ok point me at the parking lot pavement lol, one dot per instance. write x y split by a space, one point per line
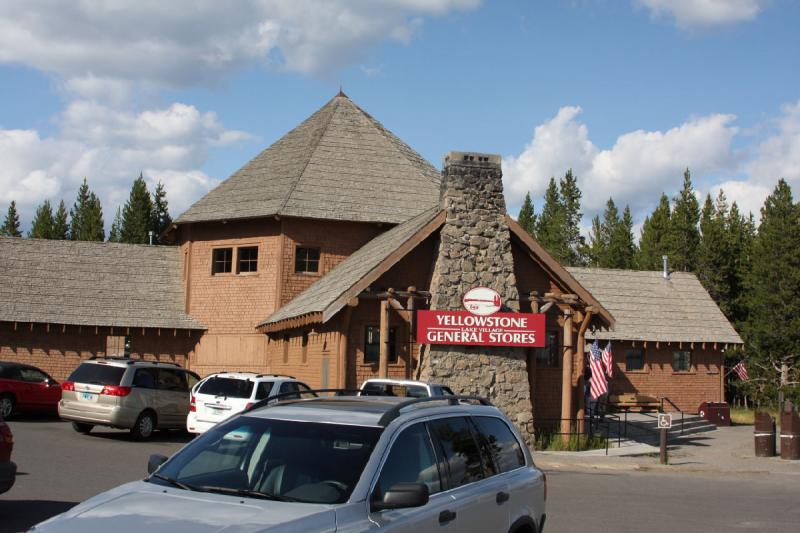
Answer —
59 467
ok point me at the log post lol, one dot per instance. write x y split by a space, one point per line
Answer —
412 329
566 379
383 365
581 350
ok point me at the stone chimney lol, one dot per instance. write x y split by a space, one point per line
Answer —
475 250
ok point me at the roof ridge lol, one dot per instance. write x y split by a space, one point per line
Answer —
317 137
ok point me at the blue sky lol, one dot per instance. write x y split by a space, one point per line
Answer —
628 93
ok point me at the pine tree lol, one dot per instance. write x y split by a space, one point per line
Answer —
741 235
595 251
653 240
87 216
116 228
684 236
10 226
161 219
60 223
527 218
571 202
772 331
137 215
42 227
621 245
714 260
551 224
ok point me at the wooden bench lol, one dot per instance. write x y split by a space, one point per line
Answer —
634 402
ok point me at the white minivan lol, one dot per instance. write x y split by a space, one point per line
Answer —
219 396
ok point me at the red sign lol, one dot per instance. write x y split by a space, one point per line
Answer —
464 328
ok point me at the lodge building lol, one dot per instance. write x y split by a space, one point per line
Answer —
312 259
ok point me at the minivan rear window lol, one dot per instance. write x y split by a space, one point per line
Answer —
97 374
228 387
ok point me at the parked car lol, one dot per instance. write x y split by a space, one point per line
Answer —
403 387
345 463
220 396
129 394
25 388
8 470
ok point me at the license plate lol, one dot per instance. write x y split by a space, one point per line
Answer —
87 396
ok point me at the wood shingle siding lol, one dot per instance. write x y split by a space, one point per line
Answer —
92 284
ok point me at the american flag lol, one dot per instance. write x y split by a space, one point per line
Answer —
608 360
599 384
741 371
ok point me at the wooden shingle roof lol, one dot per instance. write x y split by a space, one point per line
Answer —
329 294
339 164
648 307
92 284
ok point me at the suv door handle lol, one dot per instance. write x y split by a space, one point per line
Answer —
446 516
502 497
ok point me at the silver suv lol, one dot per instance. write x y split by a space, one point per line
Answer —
343 463
129 394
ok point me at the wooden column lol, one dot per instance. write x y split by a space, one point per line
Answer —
412 322
581 351
383 366
566 378
341 367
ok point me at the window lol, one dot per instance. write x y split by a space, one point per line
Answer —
682 361
145 378
306 259
222 261
171 380
32 375
230 387
501 448
97 374
548 356
264 388
247 259
372 344
460 450
634 359
411 460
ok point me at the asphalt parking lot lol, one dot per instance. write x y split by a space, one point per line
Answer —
59 468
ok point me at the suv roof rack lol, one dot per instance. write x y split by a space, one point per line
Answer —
129 361
275 376
394 412
294 394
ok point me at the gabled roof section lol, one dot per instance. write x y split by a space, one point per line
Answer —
339 164
557 271
650 308
92 284
329 294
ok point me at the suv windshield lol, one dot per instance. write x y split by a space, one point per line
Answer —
274 459
97 374
228 387
393 389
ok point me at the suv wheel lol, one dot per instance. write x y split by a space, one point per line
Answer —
144 426
6 405
82 428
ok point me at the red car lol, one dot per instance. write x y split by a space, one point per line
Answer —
8 470
26 388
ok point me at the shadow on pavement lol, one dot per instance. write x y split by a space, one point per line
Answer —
19 515
169 437
34 417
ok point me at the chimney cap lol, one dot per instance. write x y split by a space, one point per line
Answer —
471 158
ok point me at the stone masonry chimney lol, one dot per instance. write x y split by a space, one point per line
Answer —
475 250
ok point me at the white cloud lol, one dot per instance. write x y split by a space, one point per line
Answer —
748 195
96 45
110 147
778 156
639 165
689 14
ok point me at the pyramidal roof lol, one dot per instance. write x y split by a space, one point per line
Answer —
339 164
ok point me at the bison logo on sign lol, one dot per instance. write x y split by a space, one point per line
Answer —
482 301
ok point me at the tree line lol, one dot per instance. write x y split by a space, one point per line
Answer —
142 213
751 270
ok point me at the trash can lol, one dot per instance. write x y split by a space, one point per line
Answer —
718 413
790 432
764 434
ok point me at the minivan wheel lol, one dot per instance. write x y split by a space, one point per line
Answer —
144 426
6 405
80 427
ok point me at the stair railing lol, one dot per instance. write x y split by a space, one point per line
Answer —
665 399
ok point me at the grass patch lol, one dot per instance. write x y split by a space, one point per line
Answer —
576 443
745 417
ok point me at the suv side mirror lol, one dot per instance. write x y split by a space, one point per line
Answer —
403 495
155 461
